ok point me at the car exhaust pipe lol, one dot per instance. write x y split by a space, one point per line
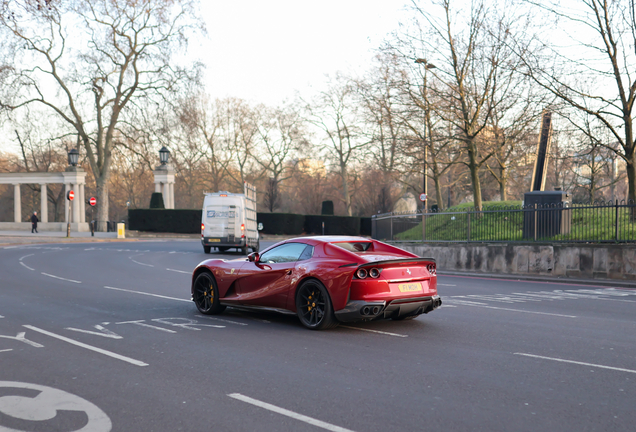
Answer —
365 310
376 310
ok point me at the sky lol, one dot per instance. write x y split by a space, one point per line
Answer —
266 51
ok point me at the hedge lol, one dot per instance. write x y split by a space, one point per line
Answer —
189 222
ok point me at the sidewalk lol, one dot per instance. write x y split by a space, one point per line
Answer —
8 238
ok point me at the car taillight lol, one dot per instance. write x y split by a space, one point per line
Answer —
432 269
202 227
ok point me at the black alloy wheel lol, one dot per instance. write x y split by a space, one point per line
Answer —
206 295
313 306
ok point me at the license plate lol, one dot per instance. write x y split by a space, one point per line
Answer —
214 240
410 287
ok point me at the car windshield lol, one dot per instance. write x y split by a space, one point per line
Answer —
355 246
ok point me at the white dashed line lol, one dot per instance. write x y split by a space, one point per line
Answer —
140 263
178 271
514 310
24 265
576 362
61 278
26 256
375 331
441 284
88 347
145 293
288 413
6 350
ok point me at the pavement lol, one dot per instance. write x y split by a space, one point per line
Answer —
104 337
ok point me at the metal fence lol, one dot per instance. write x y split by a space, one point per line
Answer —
597 222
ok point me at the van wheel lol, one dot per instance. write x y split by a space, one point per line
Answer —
207 249
244 250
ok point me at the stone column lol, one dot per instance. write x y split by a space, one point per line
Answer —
82 204
76 204
171 194
67 187
157 187
44 204
17 203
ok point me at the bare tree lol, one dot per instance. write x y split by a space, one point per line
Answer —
597 77
127 60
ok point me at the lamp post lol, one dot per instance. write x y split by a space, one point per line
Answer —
427 118
164 154
73 157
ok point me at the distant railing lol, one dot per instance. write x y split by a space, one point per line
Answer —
596 222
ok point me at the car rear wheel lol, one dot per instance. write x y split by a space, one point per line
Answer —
313 306
206 295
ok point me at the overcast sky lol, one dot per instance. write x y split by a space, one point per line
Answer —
264 51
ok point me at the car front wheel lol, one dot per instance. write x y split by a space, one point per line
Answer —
313 306
206 295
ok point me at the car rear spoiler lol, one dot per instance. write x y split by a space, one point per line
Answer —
404 261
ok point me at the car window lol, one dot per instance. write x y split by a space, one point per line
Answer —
307 253
289 252
355 246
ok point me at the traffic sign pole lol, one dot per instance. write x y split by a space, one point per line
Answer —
92 201
69 196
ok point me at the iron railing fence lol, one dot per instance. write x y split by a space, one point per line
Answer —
562 222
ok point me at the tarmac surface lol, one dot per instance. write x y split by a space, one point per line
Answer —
98 334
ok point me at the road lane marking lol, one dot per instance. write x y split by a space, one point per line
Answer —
288 413
10 349
143 324
188 324
140 263
441 284
514 310
103 332
26 256
219 319
576 362
88 347
145 293
61 278
24 265
375 331
178 271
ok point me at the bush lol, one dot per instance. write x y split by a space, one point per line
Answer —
334 225
165 220
281 223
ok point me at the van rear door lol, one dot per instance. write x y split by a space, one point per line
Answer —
220 221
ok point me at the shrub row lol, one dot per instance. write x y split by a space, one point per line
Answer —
189 221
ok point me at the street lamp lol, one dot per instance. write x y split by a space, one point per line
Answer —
73 157
164 154
427 66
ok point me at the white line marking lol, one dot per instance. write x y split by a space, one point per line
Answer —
24 265
61 278
516 310
447 305
441 284
140 263
26 256
219 319
288 413
375 331
145 293
88 347
179 271
143 324
576 362
10 349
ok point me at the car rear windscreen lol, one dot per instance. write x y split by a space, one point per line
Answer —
355 246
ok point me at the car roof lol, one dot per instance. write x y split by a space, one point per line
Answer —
332 239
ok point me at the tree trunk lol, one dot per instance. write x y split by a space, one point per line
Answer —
474 176
102 203
503 181
345 189
631 183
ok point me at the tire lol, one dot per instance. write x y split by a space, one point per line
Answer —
313 306
206 249
206 295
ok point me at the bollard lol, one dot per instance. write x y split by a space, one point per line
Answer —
121 231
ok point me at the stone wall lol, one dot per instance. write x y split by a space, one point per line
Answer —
592 261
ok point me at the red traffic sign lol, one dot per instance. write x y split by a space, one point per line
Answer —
92 201
70 195
423 197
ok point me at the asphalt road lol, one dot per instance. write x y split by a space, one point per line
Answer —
99 337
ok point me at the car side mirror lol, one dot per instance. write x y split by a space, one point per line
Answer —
253 257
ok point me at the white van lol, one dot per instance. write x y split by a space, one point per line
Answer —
228 221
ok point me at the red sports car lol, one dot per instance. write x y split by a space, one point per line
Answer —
324 280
